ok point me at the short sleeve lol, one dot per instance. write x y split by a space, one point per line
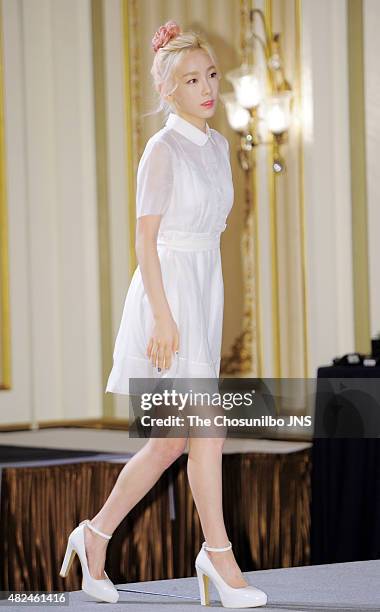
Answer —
154 179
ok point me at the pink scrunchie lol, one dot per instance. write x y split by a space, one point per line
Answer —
165 33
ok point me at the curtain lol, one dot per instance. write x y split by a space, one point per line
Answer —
266 501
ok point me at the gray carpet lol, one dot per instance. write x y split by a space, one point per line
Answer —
336 587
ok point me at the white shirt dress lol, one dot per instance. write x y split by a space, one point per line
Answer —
184 174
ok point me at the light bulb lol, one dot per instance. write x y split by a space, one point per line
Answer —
238 117
277 112
247 86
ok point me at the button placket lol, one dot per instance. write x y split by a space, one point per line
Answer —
214 164
212 167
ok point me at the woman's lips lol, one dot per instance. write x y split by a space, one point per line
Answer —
208 104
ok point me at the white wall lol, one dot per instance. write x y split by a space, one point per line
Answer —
52 210
327 180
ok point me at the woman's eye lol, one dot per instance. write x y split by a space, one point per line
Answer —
213 74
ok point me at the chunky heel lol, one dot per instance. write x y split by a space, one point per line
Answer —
230 597
101 589
68 559
203 587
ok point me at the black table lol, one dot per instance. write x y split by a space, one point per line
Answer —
345 477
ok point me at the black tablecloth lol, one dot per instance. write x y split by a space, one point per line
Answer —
345 506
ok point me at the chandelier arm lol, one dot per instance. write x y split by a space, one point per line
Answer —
283 79
262 43
265 45
268 36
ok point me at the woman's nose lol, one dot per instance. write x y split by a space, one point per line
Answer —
206 89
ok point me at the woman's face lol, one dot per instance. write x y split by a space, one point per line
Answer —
194 89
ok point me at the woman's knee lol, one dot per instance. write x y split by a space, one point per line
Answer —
167 450
209 445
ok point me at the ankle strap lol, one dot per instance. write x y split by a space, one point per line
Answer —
88 524
213 549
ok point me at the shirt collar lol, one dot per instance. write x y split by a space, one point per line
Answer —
187 129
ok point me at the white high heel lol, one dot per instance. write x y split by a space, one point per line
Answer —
231 597
102 589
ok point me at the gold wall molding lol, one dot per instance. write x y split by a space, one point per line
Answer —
291 309
272 191
99 80
358 175
301 185
132 113
5 323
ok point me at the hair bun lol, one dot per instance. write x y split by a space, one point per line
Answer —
165 33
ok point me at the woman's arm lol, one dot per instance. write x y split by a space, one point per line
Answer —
164 338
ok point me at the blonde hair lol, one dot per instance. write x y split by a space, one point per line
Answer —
166 60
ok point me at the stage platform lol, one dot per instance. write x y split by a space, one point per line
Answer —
336 587
116 441
59 476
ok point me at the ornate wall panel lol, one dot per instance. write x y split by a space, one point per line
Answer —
219 20
265 323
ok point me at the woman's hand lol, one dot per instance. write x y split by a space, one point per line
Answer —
163 342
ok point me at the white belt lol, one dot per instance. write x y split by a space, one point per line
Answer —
189 241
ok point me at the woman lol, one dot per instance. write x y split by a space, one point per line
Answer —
173 312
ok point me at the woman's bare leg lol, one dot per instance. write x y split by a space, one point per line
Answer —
204 469
135 479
